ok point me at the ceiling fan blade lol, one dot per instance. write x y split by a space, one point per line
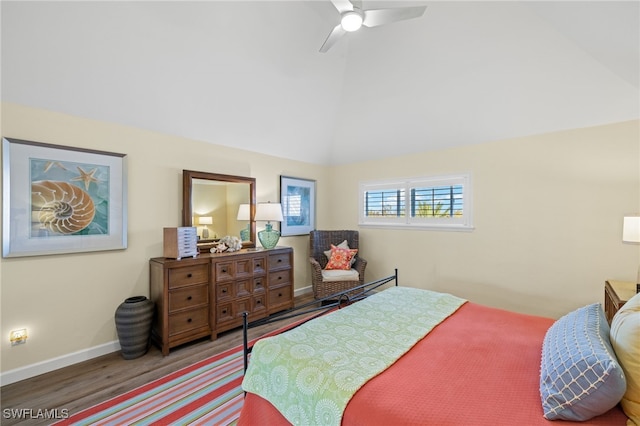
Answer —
343 5
375 17
333 37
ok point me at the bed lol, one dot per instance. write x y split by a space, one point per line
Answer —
476 365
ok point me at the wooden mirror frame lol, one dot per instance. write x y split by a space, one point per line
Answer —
187 211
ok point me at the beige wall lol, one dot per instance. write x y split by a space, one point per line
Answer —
547 212
67 301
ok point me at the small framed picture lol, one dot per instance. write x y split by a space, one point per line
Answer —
298 200
59 199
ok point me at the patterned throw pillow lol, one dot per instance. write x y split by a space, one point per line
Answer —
343 245
580 377
340 258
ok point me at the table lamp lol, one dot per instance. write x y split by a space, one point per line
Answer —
204 221
244 214
269 211
631 234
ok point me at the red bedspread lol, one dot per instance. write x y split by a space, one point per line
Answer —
479 367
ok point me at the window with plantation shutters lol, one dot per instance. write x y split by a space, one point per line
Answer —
439 202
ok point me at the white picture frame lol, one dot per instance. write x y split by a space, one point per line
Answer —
60 199
298 200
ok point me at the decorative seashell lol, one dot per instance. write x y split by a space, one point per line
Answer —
61 207
219 248
232 243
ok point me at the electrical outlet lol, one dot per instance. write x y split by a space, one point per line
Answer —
17 337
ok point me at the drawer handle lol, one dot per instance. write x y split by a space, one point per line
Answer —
224 312
189 275
189 320
257 265
224 290
224 271
189 298
279 260
257 302
279 277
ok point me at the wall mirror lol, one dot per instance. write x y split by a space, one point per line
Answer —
212 202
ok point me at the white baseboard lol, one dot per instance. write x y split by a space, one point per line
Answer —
302 291
33 370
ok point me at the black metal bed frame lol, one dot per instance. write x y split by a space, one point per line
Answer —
321 306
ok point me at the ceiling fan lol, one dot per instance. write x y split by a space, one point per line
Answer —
352 17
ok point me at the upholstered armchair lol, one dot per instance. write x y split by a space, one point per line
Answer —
326 283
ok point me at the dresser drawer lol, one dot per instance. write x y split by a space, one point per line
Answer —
258 306
224 291
255 306
224 313
259 285
278 278
279 261
243 268
224 271
188 275
188 320
259 265
187 297
280 297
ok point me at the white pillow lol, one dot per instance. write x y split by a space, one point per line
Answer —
340 275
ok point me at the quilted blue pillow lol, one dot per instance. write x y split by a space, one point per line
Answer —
580 377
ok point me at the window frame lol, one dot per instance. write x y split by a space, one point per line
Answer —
464 223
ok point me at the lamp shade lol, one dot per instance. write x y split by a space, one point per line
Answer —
269 211
205 220
243 212
631 229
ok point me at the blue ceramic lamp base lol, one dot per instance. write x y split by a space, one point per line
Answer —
269 237
244 234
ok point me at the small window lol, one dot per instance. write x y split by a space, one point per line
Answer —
442 202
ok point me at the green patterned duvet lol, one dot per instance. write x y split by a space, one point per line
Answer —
311 372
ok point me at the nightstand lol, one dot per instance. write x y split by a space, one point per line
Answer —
616 294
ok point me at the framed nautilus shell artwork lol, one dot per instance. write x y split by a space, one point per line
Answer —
59 199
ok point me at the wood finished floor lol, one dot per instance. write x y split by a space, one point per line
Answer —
83 385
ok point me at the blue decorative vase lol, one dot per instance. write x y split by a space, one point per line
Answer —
133 324
269 237
244 234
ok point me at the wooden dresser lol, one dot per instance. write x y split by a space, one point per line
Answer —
206 295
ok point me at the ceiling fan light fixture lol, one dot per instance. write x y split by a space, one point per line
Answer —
351 21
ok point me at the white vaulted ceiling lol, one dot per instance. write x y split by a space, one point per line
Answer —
248 74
